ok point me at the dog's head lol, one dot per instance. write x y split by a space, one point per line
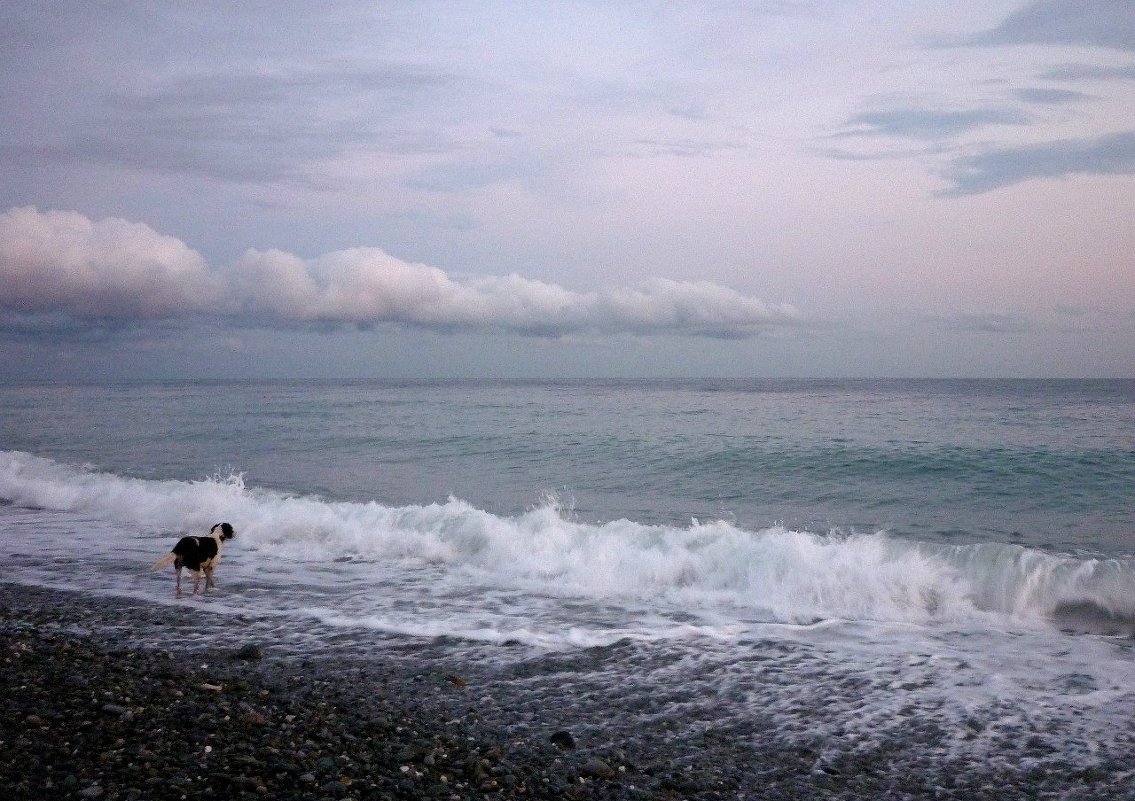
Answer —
227 532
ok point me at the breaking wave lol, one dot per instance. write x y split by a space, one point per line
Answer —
770 575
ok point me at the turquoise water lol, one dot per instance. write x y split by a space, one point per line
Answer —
1049 464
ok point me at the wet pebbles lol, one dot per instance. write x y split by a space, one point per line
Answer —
86 714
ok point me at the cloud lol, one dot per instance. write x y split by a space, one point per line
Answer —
1090 72
60 266
367 286
1092 23
683 148
458 176
60 261
248 127
1112 154
921 123
1050 96
985 323
926 130
1076 312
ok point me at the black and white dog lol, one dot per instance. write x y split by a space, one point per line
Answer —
199 554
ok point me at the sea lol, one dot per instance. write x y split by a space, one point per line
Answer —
952 555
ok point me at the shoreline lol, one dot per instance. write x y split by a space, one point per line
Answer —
84 713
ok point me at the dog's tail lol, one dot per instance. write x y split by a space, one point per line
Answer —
165 561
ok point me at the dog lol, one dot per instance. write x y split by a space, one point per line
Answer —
199 554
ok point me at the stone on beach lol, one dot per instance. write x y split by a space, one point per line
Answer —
84 713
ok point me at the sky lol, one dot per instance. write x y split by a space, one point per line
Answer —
578 189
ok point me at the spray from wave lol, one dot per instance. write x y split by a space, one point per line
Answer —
770 575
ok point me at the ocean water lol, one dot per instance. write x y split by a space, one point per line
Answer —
953 554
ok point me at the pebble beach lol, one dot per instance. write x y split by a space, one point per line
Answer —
86 714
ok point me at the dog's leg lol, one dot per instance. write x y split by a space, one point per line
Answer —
177 582
196 581
209 582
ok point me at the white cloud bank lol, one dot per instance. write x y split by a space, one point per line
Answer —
60 262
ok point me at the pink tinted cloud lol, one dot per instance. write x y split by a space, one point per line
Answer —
61 262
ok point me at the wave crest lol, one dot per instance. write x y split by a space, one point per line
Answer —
774 575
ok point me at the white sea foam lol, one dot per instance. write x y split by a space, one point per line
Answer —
713 569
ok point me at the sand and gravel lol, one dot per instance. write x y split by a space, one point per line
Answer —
89 712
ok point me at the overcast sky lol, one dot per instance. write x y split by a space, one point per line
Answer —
417 189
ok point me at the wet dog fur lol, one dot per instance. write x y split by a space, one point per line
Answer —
199 555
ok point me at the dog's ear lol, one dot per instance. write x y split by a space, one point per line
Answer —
227 531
